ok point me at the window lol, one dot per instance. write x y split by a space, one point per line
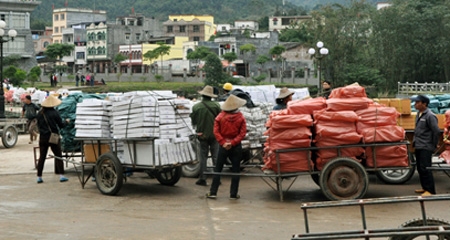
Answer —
18 21
61 16
224 28
196 39
182 29
80 55
56 17
45 44
138 36
101 36
56 30
3 17
127 36
91 37
196 28
169 29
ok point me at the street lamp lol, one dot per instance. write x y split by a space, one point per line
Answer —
319 55
3 39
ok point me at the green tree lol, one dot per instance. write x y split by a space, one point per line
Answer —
15 75
34 74
262 59
118 58
277 51
263 23
199 53
213 69
58 50
246 50
160 51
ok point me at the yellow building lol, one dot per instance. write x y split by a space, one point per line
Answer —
176 50
195 27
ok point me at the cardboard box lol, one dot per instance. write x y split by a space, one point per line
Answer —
403 105
408 122
91 151
384 101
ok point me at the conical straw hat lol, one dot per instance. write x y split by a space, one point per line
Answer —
284 92
51 101
208 91
233 103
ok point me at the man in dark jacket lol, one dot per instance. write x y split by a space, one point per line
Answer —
202 116
29 110
426 137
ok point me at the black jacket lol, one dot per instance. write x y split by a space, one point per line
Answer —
54 122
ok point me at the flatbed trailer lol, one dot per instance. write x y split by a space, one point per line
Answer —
109 172
341 178
10 128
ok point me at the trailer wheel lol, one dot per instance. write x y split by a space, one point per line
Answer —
398 176
9 136
191 170
168 176
343 178
418 223
109 174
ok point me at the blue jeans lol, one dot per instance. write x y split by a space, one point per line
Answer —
205 147
235 156
423 160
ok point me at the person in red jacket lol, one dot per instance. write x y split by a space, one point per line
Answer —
229 129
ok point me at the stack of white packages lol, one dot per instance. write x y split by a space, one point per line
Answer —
256 119
183 108
155 114
93 118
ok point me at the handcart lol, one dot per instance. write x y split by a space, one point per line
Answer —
10 129
100 160
418 228
340 178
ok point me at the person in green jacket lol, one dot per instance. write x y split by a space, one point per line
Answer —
202 116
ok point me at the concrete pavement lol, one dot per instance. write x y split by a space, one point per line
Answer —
144 209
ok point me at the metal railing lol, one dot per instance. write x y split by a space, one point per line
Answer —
423 88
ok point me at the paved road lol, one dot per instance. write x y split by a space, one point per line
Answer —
144 209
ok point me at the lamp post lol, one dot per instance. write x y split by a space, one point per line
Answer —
3 39
322 52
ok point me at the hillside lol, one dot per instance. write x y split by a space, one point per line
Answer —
223 11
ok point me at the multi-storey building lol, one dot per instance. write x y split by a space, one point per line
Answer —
278 23
41 39
16 15
66 17
195 27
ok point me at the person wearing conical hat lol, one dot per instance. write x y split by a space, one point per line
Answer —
283 98
229 128
202 116
49 121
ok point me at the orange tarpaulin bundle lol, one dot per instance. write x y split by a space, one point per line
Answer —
289 162
381 121
390 133
320 162
345 116
388 156
291 121
286 144
446 154
282 112
375 111
350 104
289 134
334 129
307 106
350 91
345 152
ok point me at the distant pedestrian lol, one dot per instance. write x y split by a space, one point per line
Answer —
92 81
51 80
88 79
229 129
82 80
77 79
29 110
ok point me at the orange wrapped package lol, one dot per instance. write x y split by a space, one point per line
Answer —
345 116
289 134
350 91
334 129
388 156
291 121
320 162
375 111
286 144
307 106
289 162
390 133
349 104
9 95
356 152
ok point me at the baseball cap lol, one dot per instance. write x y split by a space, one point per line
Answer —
421 98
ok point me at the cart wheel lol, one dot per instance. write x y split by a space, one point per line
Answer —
398 176
191 170
419 222
168 176
9 136
109 174
343 178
